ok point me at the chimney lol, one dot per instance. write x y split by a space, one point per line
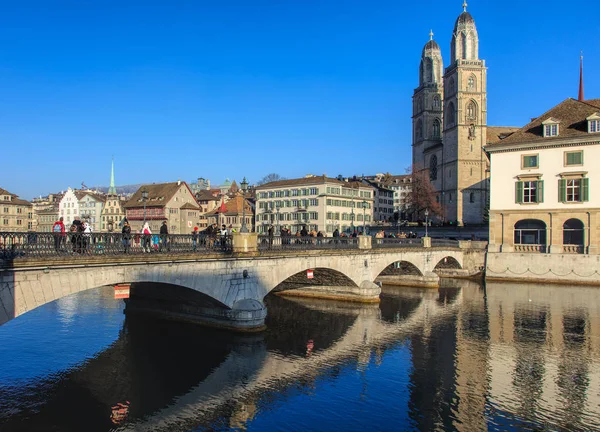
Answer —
178 182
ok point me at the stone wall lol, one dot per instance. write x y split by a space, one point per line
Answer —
557 268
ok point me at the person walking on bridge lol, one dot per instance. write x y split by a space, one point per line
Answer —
164 237
59 234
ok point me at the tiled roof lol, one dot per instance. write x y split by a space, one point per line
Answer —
595 102
48 210
233 207
572 116
15 200
206 195
495 134
306 181
189 206
158 195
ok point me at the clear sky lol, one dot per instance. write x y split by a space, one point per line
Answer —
216 89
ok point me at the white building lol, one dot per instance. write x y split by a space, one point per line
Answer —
317 202
543 183
86 205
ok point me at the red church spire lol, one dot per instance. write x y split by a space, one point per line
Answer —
580 97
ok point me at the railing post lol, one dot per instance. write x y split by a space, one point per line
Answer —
245 242
364 242
427 242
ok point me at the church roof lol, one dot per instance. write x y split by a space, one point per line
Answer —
463 19
570 113
431 45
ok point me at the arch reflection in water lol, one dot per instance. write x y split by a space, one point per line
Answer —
461 357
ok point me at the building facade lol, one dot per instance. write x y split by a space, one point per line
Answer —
208 201
232 213
543 179
45 218
173 202
383 200
450 124
17 214
316 202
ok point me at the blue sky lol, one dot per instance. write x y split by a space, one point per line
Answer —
186 89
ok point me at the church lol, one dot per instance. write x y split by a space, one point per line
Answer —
450 124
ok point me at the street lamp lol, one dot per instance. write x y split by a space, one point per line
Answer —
278 208
426 223
244 185
144 198
364 205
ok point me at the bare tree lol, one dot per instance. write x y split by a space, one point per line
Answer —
269 178
422 195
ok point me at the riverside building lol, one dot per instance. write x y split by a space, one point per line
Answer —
318 203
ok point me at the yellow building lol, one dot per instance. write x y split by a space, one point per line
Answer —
17 214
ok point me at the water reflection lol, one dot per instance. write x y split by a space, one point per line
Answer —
463 357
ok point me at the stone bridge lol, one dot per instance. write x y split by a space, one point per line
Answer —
218 290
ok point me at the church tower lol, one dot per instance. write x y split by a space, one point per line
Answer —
464 193
427 112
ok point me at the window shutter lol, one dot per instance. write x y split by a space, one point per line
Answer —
519 192
585 189
562 190
540 191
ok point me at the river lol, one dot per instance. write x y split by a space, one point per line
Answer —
464 357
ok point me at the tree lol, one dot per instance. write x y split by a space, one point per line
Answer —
422 195
269 178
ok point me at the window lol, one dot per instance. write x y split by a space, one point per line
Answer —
573 232
471 83
529 191
472 197
530 232
471 111
594 126
436 128
433 168
529 161
573 190
574 158
436 102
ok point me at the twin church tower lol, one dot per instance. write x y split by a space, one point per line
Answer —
450 123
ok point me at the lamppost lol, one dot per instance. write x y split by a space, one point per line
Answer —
364 206
352 218
278 208
144 198
426 223
244 185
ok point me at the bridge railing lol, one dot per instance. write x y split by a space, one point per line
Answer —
388 242
266 242
440 242
33 244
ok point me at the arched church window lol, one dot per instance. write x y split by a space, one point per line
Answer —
471 111
451 115
436 128
471 83
419 129
436 102
428 71
472 197
433 168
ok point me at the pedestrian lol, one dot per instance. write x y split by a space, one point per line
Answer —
147 237
59 233
194 239
76 231
126 232
87 237
164 234
303 231
223 236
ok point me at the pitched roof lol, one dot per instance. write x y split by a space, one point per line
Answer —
232 207
14 200
207 195
158 194
572 116
189 206
595 102
495 134
306 181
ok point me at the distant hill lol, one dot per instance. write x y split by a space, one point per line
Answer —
122 190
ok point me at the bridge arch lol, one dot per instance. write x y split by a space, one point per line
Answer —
448 262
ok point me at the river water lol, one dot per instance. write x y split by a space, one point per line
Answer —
463 357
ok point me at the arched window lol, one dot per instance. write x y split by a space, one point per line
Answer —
530 232
472 197
471 83
419 129
451 115
436 102
433 168
573 232
428 71
471 111
436 128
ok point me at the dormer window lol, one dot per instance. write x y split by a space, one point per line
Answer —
594 123
550 127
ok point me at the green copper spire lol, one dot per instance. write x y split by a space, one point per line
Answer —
111 189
